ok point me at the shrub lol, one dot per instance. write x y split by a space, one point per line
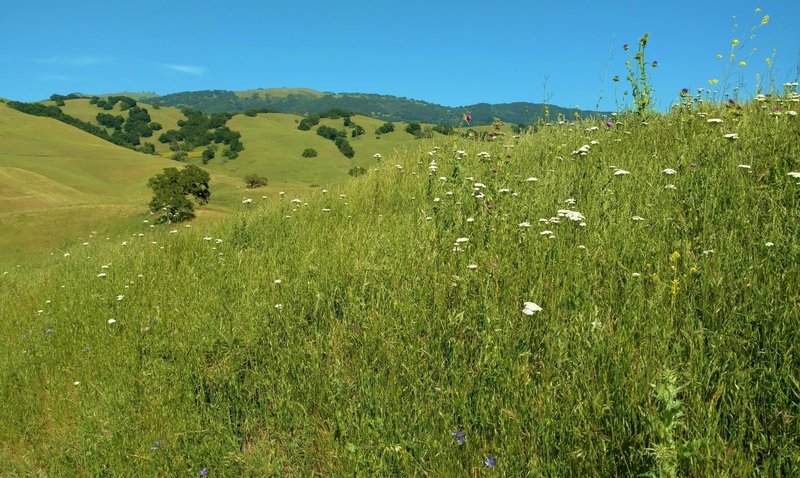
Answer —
344 147
255 181
386 128
414 129
309 153
357 171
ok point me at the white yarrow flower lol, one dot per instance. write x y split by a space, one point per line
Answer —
731 136
529 308
669 171
794 174
621 172
111 321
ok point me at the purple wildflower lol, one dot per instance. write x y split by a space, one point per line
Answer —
655 63
204 471
459 435
609 124
490 461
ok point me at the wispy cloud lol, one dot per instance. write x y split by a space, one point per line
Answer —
83 60
49 77
188 69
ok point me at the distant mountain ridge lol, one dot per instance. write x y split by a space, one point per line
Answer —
386 107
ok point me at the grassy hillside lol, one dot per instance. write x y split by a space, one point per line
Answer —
60 184
167 116
86 183
387 107
273 148
630 311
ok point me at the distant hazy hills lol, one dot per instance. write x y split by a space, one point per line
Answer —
388 108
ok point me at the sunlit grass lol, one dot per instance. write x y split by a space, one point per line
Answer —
372 327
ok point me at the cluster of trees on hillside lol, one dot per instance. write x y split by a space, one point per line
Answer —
312 120
385 128
128 139
60 99
385 107
129 130
199 129
339 138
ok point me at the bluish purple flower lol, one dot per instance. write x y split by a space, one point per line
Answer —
156 445
204 471
48 331
490 461
459 435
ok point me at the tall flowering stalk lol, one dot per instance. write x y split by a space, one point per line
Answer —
637 76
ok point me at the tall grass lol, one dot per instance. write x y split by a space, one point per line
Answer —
353 333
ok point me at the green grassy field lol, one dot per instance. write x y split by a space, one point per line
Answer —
537 312
59 183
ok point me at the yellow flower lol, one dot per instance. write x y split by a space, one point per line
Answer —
769 61
675 256
743 63
713 81
765 20
735 42
719 56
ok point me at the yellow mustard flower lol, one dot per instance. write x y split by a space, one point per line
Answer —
719 56
735 42
742 63
713 81
765 20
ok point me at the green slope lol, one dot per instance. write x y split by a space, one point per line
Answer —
59 183
388 327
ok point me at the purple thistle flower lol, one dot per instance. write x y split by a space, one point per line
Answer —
459 435
609 124
490 461
685 91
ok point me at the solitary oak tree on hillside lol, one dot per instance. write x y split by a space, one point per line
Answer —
170 191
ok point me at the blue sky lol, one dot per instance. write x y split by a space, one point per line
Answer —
448 52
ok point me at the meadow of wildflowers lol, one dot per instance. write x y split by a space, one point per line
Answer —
614 297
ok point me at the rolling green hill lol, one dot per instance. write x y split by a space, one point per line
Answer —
60 183
581 300
386 107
